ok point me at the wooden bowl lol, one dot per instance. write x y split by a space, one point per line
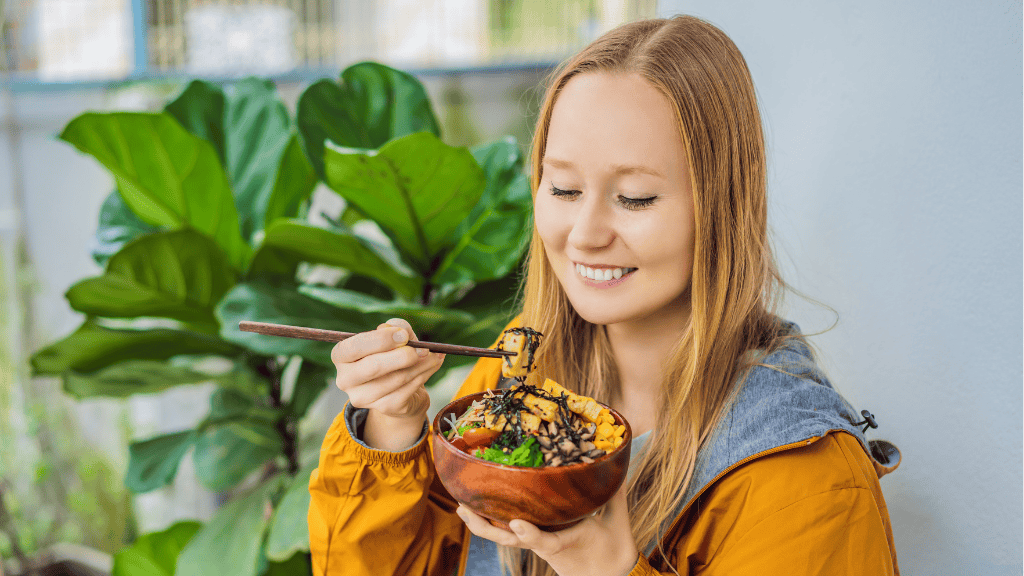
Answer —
551 498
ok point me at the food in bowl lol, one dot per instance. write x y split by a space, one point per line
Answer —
535 427
549 497
524 342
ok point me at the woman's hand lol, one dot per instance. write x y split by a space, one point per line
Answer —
379 372
599 545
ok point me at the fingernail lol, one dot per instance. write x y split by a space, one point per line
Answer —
422 352
441 356
400 336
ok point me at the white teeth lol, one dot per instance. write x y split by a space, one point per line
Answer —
602 274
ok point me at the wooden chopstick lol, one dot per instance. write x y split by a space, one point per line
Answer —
320 335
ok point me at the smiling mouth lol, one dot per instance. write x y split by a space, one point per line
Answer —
602 274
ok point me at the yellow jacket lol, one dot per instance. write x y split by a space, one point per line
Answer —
812 507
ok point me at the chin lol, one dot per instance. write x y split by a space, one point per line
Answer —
605 313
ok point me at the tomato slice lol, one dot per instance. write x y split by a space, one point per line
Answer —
480 436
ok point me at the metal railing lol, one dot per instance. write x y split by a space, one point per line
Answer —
107 40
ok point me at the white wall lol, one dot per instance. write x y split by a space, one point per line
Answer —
894 134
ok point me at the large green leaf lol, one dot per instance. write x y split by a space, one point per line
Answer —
154 462
237 438
289 529
230 543
427 321
265 302
134 377
251 130
371 105
417 189
118 226
155 554
289 241
310 383
293 185
93 347
179 274
491 240
167 176
298 565
257 131
200 109
226 454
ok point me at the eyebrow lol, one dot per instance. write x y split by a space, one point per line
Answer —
624 169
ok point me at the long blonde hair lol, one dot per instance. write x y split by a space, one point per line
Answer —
735 284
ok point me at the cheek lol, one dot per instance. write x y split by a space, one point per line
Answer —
549 222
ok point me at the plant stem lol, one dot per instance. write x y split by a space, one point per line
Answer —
7 527
285 425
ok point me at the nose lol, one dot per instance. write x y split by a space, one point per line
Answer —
592 227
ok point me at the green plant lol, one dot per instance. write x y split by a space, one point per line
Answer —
209 225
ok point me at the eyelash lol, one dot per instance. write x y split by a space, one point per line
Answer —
627 202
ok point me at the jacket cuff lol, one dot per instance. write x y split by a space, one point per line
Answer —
354 418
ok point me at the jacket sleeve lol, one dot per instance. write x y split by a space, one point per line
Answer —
812 510
377 513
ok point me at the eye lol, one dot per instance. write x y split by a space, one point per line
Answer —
636 203
567 194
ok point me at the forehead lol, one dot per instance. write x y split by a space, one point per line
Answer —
606 118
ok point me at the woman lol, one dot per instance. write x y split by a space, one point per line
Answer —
651 276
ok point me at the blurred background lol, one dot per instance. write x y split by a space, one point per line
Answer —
896 196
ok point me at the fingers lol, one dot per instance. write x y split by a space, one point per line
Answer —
394 391
365 344
523 534
481 527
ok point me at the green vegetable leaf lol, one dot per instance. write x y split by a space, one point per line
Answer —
491 240
167 176
154 462
289 529
93 347
290 241
371 105
179 274
118 226
230 543
417 189
527 454
155 554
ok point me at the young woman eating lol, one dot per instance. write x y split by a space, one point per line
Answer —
652 278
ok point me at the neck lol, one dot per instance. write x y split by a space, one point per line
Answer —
641 349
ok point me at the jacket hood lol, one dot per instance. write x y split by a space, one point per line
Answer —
785 399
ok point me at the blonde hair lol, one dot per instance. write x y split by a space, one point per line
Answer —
735 284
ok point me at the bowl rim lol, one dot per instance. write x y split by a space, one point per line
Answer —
436 432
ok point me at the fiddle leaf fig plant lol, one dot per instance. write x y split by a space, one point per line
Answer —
211 224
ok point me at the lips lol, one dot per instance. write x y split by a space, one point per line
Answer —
603 273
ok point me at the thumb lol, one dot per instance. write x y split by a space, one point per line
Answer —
401 323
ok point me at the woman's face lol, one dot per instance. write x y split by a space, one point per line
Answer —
614 207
